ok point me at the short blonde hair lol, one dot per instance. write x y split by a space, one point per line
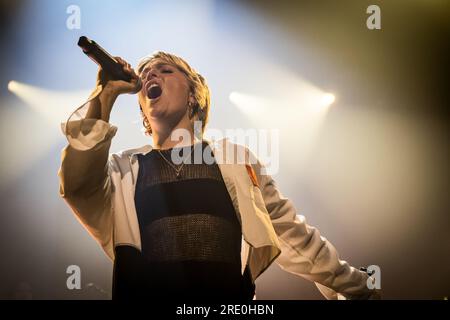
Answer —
197 85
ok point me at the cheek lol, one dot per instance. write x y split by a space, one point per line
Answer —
178 92
141 99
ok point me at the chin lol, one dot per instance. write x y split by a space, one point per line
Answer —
156 112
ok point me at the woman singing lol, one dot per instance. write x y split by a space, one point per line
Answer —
178 228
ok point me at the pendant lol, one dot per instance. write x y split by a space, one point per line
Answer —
178 176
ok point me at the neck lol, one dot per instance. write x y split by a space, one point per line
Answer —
165 135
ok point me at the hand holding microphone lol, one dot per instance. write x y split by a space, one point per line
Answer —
120 86
115 74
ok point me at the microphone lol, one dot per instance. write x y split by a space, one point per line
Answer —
101 57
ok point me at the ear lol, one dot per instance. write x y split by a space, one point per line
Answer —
191 99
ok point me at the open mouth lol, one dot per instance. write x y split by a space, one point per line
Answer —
154 92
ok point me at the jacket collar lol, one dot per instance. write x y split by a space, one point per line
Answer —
142 150
147 148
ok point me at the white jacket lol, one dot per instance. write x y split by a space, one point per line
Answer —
100 190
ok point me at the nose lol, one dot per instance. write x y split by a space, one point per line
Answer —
151 74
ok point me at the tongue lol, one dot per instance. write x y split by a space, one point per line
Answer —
154 92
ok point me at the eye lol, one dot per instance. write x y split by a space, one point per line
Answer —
167 71
144 73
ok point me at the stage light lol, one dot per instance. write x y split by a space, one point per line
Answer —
297 110
248 104
12 86
55 106
36 128
327 99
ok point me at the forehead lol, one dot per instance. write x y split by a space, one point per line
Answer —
157 63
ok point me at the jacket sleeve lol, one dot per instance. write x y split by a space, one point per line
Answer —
305 252
84 176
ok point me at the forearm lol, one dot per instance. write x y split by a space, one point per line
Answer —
86 186
84 171
100 107
304 251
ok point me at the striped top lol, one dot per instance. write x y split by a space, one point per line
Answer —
190 232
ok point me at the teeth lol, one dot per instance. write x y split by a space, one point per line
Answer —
154 85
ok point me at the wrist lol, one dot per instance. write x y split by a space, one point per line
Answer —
107 99
109 93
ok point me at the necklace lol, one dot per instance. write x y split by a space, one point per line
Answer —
177 169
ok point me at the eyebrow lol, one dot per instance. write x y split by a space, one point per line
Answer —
158 66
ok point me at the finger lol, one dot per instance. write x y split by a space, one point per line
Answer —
134 74
126 67
132 87
131 71
128 70
121 61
